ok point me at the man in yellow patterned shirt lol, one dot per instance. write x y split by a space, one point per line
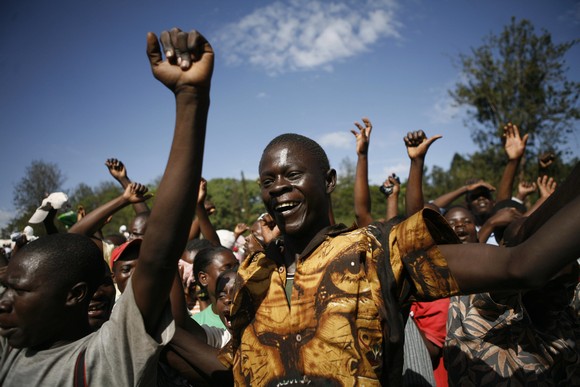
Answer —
325 305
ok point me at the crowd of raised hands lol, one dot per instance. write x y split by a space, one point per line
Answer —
170 263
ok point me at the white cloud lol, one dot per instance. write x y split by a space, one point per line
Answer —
304 35
340 140
261 95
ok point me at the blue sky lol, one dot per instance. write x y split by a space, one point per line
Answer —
76 88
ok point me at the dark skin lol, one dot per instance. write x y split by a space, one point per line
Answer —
38 316
417 145
102 301
65 319
362 195
187 73
296 195
94 220
118 170
471 264
514 146
462 222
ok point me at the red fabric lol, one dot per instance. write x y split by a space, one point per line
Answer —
431 319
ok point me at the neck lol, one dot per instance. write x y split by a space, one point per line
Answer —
70 332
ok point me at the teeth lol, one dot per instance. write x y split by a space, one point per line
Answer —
283 206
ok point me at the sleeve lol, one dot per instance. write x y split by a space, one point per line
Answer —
417 262
122 352
214 336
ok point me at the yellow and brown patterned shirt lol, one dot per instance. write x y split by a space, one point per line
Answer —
344 324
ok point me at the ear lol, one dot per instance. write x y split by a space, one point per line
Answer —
202 278
113 273
77 294
330 180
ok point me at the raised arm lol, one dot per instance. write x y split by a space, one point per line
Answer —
525 188
362 195
445 200
392 187
417 146
515 145
119 172
550 242
186 71
207 229
546 186
93 221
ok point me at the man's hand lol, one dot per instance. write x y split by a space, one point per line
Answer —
526 188
363 136
514 144
547 186
505 216
240 229
190 51
417 143
270 230
116 169
546 159
136 193
202 193
471 185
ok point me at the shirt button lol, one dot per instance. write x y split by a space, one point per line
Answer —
281 269
298 338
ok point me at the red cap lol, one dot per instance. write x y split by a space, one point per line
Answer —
118 251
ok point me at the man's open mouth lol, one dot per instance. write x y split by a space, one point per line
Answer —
285 207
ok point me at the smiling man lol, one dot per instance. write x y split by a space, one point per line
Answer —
324 304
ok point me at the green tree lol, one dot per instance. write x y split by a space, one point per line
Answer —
519 76
41 179
236 201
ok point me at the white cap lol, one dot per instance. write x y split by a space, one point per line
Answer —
55 200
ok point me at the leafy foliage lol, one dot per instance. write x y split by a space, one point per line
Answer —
519 76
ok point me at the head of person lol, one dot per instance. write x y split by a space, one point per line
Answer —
193 247
123 262
224 291
480 202
103 299
462 221
209 263
138 225
49 284
296 182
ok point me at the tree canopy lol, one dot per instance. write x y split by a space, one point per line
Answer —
519 76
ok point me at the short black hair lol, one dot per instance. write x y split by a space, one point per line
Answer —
304 142
68 259
197 244
204 258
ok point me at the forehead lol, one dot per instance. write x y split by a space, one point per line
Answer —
25 269
224 256
459 212
226 281
285 155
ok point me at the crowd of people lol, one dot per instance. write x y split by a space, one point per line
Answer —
481 293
